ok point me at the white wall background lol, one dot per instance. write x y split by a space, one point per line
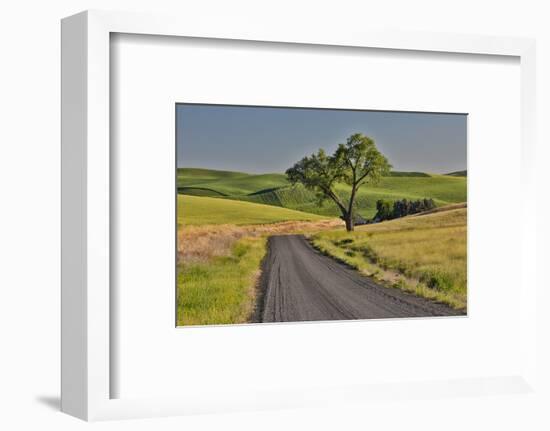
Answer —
29 210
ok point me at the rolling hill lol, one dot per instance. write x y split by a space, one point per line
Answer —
274 189
458 174
195 210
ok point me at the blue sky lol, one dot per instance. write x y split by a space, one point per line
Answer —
267 139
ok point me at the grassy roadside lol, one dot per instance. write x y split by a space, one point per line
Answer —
221 290
424 254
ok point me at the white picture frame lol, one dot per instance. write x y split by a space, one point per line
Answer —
87 341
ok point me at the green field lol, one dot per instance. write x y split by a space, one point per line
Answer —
423 254
273 189
222 290
201 210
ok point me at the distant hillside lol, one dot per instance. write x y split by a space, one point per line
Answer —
458 174
274 189
407 174
194 210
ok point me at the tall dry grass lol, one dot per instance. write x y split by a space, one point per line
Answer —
199 244
425 254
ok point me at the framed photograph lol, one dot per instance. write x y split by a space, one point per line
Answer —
271 228
320 205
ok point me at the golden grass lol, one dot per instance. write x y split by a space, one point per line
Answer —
443 208
199 244
425 254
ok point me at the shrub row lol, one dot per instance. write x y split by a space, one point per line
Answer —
388 210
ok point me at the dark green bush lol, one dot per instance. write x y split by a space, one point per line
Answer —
386 210
437 281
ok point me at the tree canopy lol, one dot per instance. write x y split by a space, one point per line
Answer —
355 163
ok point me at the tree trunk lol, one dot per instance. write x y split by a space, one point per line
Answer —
348 218
349 214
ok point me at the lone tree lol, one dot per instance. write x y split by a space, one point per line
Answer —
354 163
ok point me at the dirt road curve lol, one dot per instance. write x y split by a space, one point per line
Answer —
301 284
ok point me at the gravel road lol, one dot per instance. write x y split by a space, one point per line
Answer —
301 284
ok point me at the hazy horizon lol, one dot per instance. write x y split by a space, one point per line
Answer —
260 140
273 172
